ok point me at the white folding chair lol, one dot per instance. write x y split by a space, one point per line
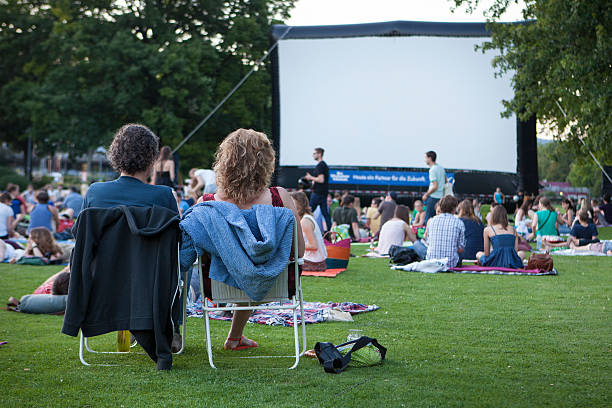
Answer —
279 292
84 341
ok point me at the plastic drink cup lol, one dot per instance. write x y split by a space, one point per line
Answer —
354 334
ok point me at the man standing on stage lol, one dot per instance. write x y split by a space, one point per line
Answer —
320 178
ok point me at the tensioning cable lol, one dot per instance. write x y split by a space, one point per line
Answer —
586 147
230 93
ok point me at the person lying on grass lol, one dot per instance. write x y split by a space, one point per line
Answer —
504 240
48 298
42 244
583 233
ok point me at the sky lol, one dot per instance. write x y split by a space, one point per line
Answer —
325 12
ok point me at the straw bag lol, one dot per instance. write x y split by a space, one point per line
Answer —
338 251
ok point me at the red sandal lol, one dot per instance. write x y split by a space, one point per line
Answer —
240 345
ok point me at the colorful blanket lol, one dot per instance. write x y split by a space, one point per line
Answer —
487 270
314 312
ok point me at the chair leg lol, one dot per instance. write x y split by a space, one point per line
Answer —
208 339
184 305
303 323
296 338
81 344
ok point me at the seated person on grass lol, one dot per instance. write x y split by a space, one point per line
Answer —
473 230
396 230
583 233
315 252
418 215
605 211
504 240
7 219
43 301
44 214
346 215
372 219
446 233
546 220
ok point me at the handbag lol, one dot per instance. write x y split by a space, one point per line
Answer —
543 262
335 362
338 251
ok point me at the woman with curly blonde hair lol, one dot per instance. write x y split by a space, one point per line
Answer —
244 164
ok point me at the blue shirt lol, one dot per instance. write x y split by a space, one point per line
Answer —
128 191
74 201
581 232
437 173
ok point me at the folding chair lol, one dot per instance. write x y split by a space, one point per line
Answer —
84 341
222 293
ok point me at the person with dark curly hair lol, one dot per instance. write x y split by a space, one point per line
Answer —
133 153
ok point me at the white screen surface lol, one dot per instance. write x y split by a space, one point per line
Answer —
385 101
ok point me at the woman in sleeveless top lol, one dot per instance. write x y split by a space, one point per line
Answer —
504 240
315 252
546 219
244 165
396 230
164 168
43 214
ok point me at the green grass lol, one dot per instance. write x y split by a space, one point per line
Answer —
453 340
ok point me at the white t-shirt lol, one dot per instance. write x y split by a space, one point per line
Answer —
207 176
5 211
321 253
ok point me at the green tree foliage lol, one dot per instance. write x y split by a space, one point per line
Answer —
564 55
72 72
557 161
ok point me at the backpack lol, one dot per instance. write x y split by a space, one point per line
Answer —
403 255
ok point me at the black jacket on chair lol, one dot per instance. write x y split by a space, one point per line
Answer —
124 276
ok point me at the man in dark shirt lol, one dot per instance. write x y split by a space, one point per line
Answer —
320 178
606 209
387 209
133 153
347 215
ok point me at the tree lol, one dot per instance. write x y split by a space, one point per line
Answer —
561 55
76 71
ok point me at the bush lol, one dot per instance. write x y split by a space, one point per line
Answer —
8 175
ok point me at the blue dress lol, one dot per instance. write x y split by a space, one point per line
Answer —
503 255
474 241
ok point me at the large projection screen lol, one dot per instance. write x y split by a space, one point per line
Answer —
384 101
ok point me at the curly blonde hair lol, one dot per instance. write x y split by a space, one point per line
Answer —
244 163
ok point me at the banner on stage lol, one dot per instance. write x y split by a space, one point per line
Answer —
382 178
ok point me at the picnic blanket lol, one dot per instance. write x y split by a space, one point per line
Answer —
328 273
314 312
472 269
487 270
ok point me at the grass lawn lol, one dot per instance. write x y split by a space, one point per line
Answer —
453 340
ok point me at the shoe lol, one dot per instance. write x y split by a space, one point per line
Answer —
243 343
177 343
